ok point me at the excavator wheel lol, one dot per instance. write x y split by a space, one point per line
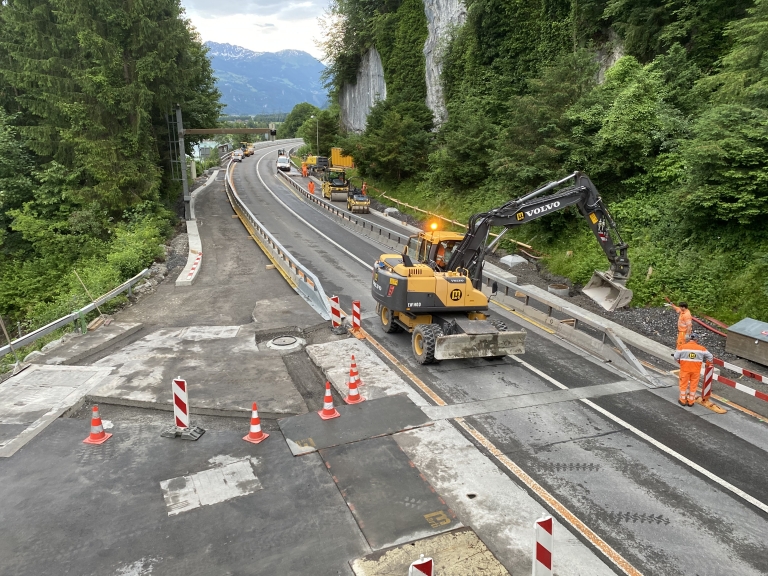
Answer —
501 327
423 342
388 320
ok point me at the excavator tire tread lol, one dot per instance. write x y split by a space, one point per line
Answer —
426 335
387 318
499 325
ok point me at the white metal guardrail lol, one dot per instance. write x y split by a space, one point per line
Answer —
75 316
302 280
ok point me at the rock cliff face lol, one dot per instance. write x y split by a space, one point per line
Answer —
356 100
442 15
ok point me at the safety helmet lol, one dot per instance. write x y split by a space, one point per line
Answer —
693 336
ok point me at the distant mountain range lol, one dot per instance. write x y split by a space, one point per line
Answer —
265 82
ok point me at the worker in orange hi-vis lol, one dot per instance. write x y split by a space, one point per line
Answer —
690 357
684 322
364 189
304 169
311 187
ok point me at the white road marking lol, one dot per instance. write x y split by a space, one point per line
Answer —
209 487
725 484
339 246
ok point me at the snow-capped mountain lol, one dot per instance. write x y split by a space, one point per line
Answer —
231 51
265 82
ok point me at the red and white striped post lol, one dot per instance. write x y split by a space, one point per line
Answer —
182 426
543 546
422 566
180 403
706 385
355 315
335 312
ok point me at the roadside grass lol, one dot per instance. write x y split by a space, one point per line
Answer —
37 292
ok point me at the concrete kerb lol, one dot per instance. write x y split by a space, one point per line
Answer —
195 256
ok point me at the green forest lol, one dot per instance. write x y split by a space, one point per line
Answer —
85 89
674 133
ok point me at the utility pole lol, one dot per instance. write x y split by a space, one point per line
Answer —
183 158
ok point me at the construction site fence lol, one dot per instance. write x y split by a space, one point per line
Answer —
301 279
77 315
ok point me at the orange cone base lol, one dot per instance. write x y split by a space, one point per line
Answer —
256 439
350 400
329 415
90 440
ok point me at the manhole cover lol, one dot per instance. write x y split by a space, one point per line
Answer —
285 343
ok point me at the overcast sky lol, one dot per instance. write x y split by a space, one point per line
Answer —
260 25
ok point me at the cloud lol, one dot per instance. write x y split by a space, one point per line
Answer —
214 8
261 34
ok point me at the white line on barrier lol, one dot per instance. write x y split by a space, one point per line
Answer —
339 246
725 484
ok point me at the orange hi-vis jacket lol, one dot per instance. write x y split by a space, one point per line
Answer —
691 355
684 320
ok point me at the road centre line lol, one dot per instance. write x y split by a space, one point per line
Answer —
618 560
723 483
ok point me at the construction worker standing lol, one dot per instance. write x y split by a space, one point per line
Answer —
364 189
304 169
311 187
684 322
690 356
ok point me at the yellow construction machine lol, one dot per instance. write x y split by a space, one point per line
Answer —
433 289
335 184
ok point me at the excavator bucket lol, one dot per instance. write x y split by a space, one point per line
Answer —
607 292
486 345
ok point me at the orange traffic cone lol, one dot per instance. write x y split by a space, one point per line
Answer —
354 396
328 410
97 436
255 435
353 371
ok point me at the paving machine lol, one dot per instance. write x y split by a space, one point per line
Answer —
433 289
336 186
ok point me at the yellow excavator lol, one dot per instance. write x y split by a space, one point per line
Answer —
433 289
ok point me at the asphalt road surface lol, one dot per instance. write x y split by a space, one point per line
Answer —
673 490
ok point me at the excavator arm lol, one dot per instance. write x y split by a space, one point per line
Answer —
607 288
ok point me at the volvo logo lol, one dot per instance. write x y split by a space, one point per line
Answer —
542 209
455 295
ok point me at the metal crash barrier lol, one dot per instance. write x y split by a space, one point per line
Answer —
298 276
75 316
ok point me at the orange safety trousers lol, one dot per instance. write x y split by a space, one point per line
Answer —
681 336
689 381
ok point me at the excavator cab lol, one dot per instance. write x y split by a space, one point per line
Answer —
433 248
